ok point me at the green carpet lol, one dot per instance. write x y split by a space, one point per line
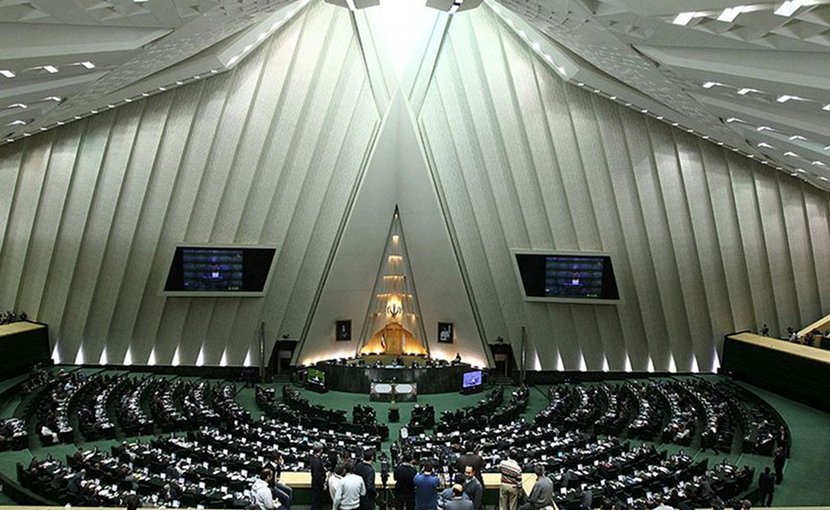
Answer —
804 478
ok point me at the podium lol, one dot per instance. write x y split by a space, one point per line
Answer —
393 391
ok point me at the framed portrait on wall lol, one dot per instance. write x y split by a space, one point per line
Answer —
343 331
446 332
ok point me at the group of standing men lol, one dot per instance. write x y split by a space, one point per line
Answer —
422 489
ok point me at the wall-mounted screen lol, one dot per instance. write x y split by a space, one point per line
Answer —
213 271
567 277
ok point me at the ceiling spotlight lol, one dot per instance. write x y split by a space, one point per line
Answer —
764 128
826 107
733 119
17 122
50 69
18 105
7 73
798 137
56 99
791 154
710 84
765 145
88 65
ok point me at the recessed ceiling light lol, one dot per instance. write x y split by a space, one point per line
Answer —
53 98
788 8
710 84
7 73
791 154
683 18
764 128
798 137
18 105
50 69
733 119
825 108
746 90
801 170
818 163
17 122
87 64
765 145
730 13
786 97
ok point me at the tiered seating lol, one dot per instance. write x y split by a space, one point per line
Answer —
53 423
763 428
94 400
471 417
13 435
211 467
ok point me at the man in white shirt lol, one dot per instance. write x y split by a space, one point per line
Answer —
261 498
348 494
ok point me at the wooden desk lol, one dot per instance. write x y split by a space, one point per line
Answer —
797 371
19 327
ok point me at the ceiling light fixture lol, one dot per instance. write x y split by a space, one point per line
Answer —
786 97
710 84
765 145
18 105
7 73
730 13
733 119
50 69
87 64
826 107
56 99
747 90
17 122
764 128
788 8
791 154
683 18
798 137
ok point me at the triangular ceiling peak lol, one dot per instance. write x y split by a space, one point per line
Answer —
393 322
397 177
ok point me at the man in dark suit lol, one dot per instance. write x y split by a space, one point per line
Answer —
766 487
778 464
404 476
473 459
366 471
458 502
472 487
318 476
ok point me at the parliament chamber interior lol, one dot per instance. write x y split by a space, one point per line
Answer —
421 255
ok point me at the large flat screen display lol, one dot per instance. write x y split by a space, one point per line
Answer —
471 379
571 277
219 271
